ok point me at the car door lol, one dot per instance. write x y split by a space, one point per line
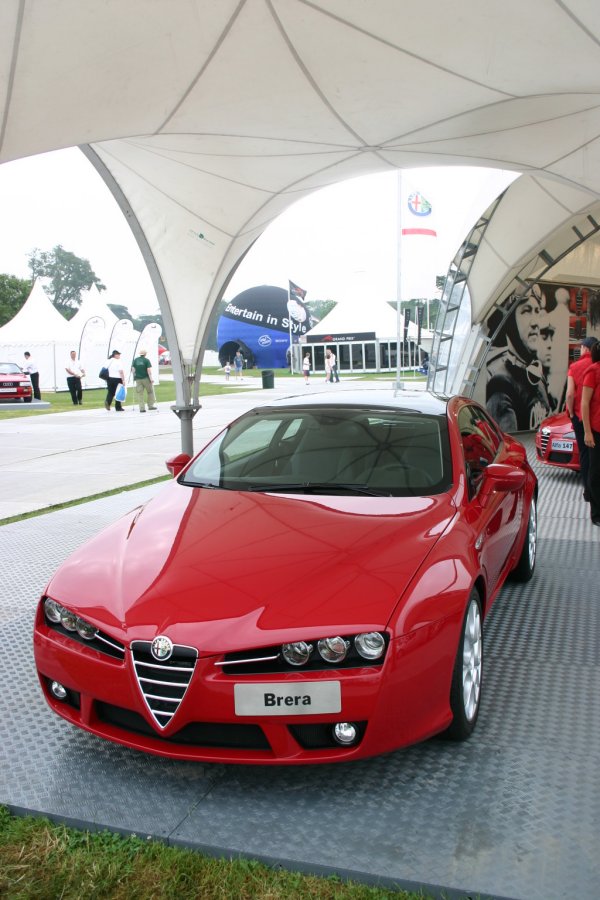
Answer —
495 517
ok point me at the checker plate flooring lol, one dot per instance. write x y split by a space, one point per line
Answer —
512 813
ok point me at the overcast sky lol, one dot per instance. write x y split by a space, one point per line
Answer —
338 244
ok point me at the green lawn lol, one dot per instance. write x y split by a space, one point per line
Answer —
165 391
94 399
46 861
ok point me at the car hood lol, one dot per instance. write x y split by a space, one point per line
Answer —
559 422
219 569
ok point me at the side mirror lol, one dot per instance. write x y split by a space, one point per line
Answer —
177 464
503 478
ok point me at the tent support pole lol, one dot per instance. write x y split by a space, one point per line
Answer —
186 414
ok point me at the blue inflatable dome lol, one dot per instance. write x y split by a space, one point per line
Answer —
257 322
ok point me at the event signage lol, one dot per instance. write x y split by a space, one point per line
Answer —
340 338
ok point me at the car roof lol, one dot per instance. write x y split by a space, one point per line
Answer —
417 401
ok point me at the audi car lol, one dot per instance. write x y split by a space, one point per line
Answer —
310 588
14 383
555 442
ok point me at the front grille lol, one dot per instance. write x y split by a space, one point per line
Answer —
163 684
198 734
544 438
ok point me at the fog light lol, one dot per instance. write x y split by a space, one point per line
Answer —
297 654
345 733
53 610
59 691
333 649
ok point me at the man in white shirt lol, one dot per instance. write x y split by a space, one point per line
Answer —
75 372
34 376
116 376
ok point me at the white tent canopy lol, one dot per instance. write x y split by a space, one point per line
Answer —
37 320
93 306
40 329
208 119
361 316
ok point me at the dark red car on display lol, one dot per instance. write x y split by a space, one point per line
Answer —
555 442
14 383
310 588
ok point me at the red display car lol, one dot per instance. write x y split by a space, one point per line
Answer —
14 383
555 442
310 588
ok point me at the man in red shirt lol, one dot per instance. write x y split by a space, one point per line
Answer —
575 377
590 415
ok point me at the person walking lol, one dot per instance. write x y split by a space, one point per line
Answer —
75 372
306 368
34 376
334 376
142 373
116 376
238 364
328 365
575 377
590 415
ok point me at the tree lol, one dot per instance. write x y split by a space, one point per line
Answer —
69 275
121 312
320 308
13 294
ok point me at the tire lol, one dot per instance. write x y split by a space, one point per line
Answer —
27 399
465 692
526 565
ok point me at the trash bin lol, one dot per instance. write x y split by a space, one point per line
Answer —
268 378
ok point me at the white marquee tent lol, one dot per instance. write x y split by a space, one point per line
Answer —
208 119
39 328
94 331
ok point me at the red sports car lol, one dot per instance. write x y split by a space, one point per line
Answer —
555 442
310 588
14 383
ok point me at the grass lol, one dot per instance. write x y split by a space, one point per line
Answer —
94 398
42 860
56 506
165 391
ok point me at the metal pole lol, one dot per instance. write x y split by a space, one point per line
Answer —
399 319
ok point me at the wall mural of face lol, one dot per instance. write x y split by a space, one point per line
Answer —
527 320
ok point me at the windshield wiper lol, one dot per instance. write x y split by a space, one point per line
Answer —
317 487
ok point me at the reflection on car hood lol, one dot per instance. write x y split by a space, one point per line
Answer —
223 569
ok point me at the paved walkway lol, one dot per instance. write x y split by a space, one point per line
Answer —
54 458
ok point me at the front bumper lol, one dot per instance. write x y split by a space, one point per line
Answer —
401 702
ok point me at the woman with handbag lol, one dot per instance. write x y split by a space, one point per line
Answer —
116 377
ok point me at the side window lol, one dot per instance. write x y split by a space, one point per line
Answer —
480 442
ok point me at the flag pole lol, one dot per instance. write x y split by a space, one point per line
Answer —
399 322
290 329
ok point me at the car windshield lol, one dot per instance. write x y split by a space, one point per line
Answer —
328 450
9 369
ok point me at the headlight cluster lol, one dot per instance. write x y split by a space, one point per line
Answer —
334 650
58 615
